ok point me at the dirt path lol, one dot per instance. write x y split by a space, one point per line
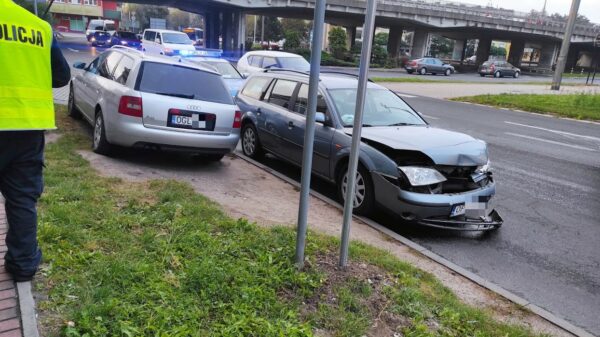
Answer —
244 190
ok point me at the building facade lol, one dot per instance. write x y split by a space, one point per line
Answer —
74 15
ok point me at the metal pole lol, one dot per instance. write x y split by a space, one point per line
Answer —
35 9
262 30
309 133
363 72
254 32
564 48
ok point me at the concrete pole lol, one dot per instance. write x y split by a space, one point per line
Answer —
262 30
309 132
363 72
254 31
564 49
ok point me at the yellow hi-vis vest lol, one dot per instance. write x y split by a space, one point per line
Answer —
25 70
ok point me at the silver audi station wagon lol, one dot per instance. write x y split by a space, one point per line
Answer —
426 175
136 100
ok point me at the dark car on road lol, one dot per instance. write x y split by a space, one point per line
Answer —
498 69
128 39
423 174
100 39
429 65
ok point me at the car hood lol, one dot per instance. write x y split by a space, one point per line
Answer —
444 147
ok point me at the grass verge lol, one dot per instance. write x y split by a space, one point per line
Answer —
580 106
157 259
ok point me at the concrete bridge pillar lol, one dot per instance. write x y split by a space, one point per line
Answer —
351 35
548 54
515 54
483 50
212 22
394 41
459 50
240 44
420 45
227 31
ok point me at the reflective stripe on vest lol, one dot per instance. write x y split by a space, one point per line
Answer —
25 70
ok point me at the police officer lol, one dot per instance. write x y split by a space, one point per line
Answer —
30 65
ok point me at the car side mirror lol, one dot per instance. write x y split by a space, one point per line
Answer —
79 65
322 119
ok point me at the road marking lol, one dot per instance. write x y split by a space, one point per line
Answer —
73 50
405 95
551 141
554 131
510 169
430 117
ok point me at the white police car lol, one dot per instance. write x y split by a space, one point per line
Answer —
211 58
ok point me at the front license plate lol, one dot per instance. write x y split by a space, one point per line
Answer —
457 210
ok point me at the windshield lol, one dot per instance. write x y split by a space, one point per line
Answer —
109 26
165 79
128 35
382 108
297 63
226 69
176 38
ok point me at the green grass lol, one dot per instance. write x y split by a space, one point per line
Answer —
491 81
158 259
580 106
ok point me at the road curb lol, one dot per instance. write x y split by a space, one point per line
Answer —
27 309
548 316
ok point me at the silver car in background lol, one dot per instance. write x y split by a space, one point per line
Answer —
136 100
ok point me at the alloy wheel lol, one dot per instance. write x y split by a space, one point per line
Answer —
360 189
97 131
249 141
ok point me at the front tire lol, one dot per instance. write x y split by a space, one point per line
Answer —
364 196
73 111
423 71
99 144
497 74
517 74
482 75
250 143
447 72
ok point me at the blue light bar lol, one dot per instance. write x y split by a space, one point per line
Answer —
204 52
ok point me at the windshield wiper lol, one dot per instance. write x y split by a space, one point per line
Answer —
174 94
401 124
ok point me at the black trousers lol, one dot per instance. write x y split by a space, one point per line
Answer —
21 184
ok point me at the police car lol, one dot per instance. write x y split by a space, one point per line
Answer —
212 58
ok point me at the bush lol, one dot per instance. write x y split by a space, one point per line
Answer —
292 40
337 42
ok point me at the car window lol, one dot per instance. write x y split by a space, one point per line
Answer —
282 92
165 79
226 69
108 66
256 60
301 103
158 36
176 38
269 62
149 35
382 108
123 69
297 63
93 67
255 87
486 64
438 61
127 35
509 65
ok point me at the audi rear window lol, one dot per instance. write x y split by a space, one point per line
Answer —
179 81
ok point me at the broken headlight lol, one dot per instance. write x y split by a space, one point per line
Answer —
421 176
481 172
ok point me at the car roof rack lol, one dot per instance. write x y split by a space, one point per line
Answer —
341 73
125 48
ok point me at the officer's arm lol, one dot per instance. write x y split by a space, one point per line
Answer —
61 73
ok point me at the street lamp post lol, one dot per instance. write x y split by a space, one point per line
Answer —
564 48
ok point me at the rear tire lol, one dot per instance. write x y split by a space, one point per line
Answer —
250 143
364 191
99 144
73 111
482 75
423 71
497 74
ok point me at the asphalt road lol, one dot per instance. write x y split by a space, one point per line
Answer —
548 176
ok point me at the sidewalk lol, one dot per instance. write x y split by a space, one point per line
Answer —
10 318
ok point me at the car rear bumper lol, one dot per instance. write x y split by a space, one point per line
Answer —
130 132
434 209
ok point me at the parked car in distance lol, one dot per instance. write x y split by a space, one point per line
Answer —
211 58
423 174
137 100
100 39
259 60
124 38
429 65
498 69
166 42
99 25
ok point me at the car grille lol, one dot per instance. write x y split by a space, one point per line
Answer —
459 179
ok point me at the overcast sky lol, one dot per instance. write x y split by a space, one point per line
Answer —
589 8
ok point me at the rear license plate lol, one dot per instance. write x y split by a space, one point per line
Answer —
191 120
188 121
457 210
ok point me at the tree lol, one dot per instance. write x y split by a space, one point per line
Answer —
440 46
497 51
381 39
296 25
292 40
337 42
143 13
273 29
179 19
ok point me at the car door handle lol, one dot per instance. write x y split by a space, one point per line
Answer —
290 124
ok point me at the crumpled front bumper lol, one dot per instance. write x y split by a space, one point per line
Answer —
435 210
